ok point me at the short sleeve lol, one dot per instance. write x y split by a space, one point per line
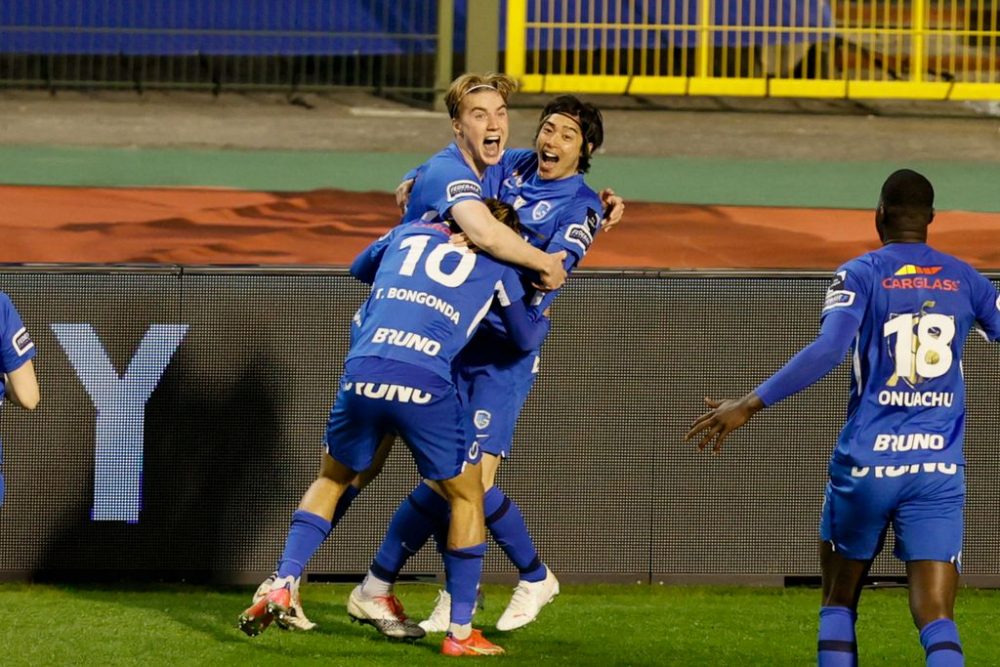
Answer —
577 229
446 184
17 346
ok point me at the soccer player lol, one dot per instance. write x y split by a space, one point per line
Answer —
17 371
428 297
453 186
907 309
558 212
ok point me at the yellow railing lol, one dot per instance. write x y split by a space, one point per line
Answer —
909 49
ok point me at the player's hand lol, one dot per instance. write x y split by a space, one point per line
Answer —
403 194
723 418
461 239
614 207
553 277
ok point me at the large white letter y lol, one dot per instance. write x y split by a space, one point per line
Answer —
121 410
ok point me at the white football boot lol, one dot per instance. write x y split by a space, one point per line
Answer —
384 613
294 617
440 618
529 598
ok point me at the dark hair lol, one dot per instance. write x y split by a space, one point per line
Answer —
587 115
907 199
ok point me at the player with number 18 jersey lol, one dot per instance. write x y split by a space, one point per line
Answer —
916 306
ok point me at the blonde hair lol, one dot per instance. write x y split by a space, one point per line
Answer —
468 83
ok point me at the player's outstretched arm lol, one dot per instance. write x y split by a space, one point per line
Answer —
365 265
22 386
502 242
804 369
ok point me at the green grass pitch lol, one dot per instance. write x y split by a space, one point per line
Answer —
587 625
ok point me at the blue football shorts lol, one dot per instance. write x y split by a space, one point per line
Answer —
377 396
494 394
922 501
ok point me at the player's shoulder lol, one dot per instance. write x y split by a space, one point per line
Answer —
583 195
449 165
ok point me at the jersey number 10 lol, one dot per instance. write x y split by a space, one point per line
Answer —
928 349
415 247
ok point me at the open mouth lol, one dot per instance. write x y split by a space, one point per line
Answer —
492 142
549 158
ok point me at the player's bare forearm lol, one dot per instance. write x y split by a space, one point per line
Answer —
722 418
22 386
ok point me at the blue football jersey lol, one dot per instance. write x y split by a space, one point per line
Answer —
441 182
916 306
16 347
428 297
554 215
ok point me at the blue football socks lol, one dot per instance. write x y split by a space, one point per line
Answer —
941 644
305 535
506 524
463 568
838 646
422 513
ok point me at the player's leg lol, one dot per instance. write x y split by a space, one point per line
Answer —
928 528
463 561
311 524
843 579
933 588
352 440
423 513
279 601
855 516
496 396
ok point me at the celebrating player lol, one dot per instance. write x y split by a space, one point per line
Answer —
454 181
428 297
907 308
17 371
558 212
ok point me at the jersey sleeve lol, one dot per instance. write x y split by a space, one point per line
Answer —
849 290
575 235
17 346
509 288
986 304
445 184
577 228
366 264
525 328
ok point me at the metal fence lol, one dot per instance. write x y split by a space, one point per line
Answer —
189 464
919 49
224 44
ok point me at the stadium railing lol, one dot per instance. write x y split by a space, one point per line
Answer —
188 464
913 49
226 44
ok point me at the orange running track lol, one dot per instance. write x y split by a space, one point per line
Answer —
328 227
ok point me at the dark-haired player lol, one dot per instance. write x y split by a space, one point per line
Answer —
428 297
907 310
558 211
